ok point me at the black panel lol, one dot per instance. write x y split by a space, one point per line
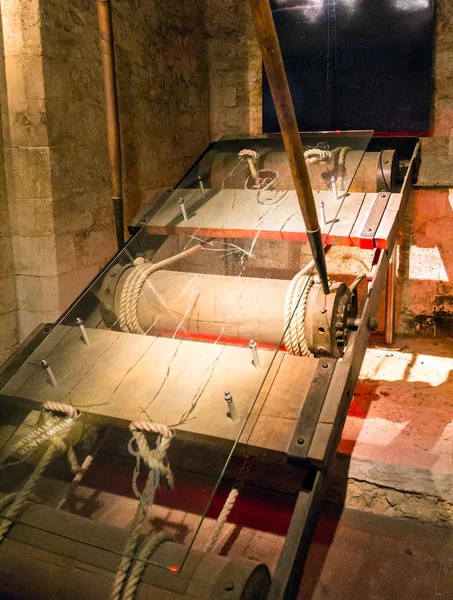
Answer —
356 64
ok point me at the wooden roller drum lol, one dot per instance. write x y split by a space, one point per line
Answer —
376 172
51 554
231 309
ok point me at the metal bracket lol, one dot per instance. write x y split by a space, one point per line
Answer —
308 419
374 218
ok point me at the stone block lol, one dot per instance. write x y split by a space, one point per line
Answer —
25 79
80 169
65 253
21 27
74 212
36 293
436 167
6 256
31 217
27 123
35 255
7 294
29 171
229 96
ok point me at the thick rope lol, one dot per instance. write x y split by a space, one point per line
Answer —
80 472
294 313
17 500
156 461
130 294
59 407
316 155
229 503
148 548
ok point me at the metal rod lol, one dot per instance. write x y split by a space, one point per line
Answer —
183 209
231 407
83 331
390 298
111 105
278 83
255 356
322 213
201 186
333 181
50 375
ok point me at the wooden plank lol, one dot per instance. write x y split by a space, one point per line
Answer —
388 220
357 228
271 214
346 218
120 377
275 424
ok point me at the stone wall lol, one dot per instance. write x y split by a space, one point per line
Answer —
234 69
59 191
8 301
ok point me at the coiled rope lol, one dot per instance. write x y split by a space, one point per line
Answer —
156 461
17 500
229 503
294 312
130 294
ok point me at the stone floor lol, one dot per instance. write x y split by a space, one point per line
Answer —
397 445
371 557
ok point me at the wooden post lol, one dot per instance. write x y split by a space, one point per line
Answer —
278 83
111 105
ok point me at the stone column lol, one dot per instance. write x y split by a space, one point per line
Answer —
27 160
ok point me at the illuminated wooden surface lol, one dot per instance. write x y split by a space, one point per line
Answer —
121 377
273 215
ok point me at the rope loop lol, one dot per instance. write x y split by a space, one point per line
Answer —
163 430
59 407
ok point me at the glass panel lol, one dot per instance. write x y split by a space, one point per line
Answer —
167 334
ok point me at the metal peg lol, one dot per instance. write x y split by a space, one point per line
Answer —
231 407
201 186
322 213
183 210
255 356
45 365
83 331
333 181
